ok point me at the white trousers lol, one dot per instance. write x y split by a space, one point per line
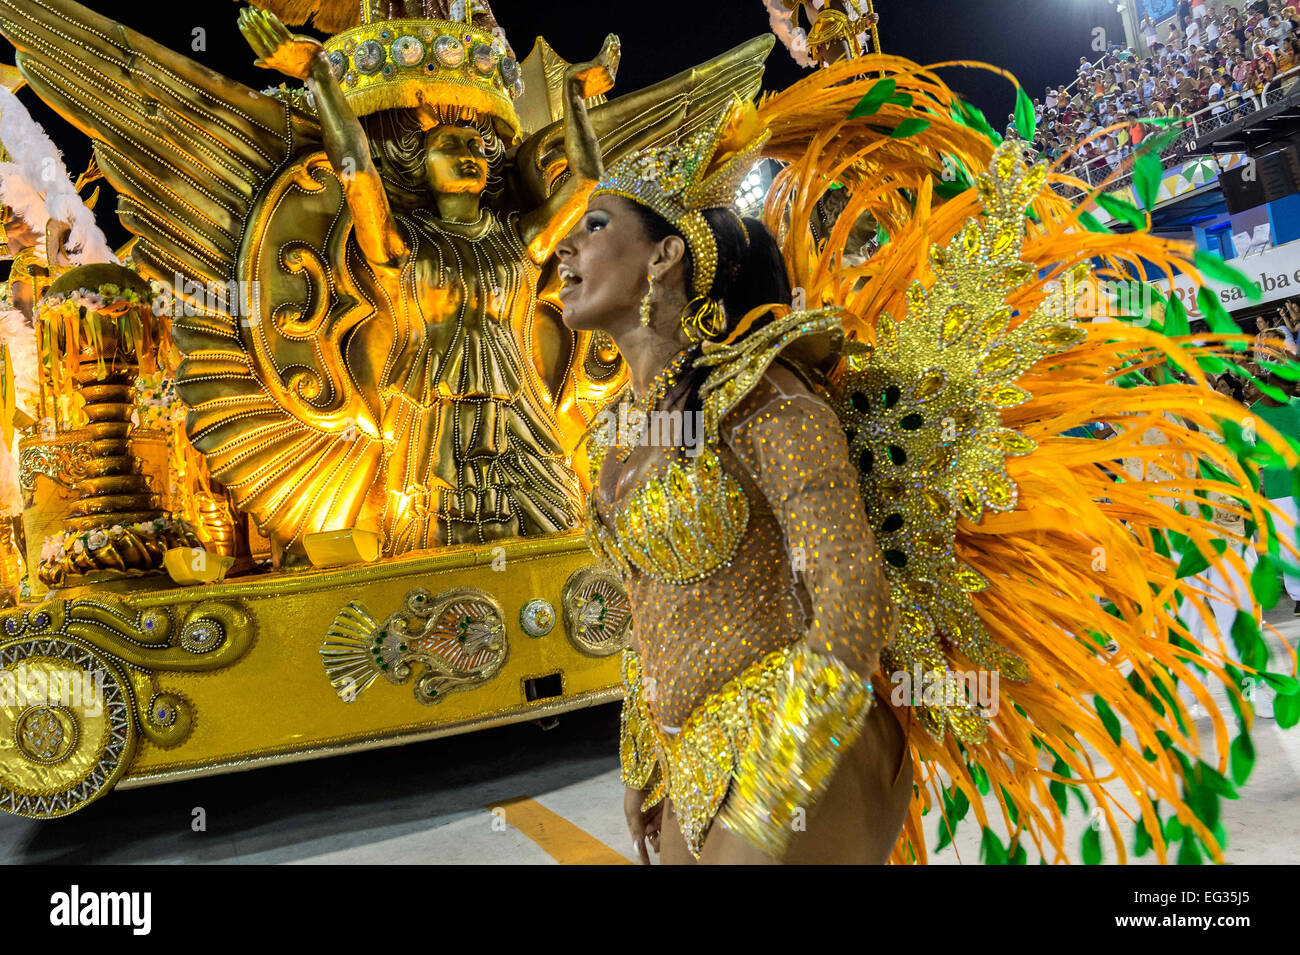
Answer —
1229 592
1287 506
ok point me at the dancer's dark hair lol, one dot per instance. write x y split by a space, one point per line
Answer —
750 273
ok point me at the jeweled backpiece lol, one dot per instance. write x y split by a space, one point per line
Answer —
923 412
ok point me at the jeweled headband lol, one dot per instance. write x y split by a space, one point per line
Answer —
680 181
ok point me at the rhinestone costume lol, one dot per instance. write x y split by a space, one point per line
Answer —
754 642
682 527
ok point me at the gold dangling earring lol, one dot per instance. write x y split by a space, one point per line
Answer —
645 302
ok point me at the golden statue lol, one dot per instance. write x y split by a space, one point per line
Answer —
465 441
359 267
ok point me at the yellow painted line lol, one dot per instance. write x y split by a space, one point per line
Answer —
560 839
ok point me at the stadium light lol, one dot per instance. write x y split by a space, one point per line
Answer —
749 198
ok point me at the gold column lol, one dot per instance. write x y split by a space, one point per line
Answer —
115 490
116 524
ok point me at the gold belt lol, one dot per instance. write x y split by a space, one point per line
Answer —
772 736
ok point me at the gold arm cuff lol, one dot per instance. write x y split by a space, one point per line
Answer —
800 731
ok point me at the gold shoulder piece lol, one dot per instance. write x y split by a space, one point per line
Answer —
737 368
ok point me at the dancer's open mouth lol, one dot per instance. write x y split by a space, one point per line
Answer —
569 277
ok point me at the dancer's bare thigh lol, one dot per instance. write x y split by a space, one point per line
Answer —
672 844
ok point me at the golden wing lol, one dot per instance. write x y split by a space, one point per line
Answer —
185 147
657 114
275 405
237 212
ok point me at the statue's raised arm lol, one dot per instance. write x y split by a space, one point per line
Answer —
360 270
544 226
303 58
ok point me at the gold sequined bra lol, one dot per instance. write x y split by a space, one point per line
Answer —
684 525
679 527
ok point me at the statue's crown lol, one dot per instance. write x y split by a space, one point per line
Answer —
450 65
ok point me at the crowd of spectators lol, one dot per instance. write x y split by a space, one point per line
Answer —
1211 57
1276 331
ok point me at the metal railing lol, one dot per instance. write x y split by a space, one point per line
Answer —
1096 65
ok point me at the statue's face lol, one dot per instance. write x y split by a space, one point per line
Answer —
455 160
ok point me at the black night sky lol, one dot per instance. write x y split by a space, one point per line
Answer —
1039 41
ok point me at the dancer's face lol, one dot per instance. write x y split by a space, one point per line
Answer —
604 262
455 160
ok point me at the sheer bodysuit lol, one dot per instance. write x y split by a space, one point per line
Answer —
795 566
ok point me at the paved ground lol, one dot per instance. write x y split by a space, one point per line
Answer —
519 794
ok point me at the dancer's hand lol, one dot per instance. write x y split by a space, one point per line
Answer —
644 826
275 46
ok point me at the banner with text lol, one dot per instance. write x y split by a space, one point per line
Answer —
1277 271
